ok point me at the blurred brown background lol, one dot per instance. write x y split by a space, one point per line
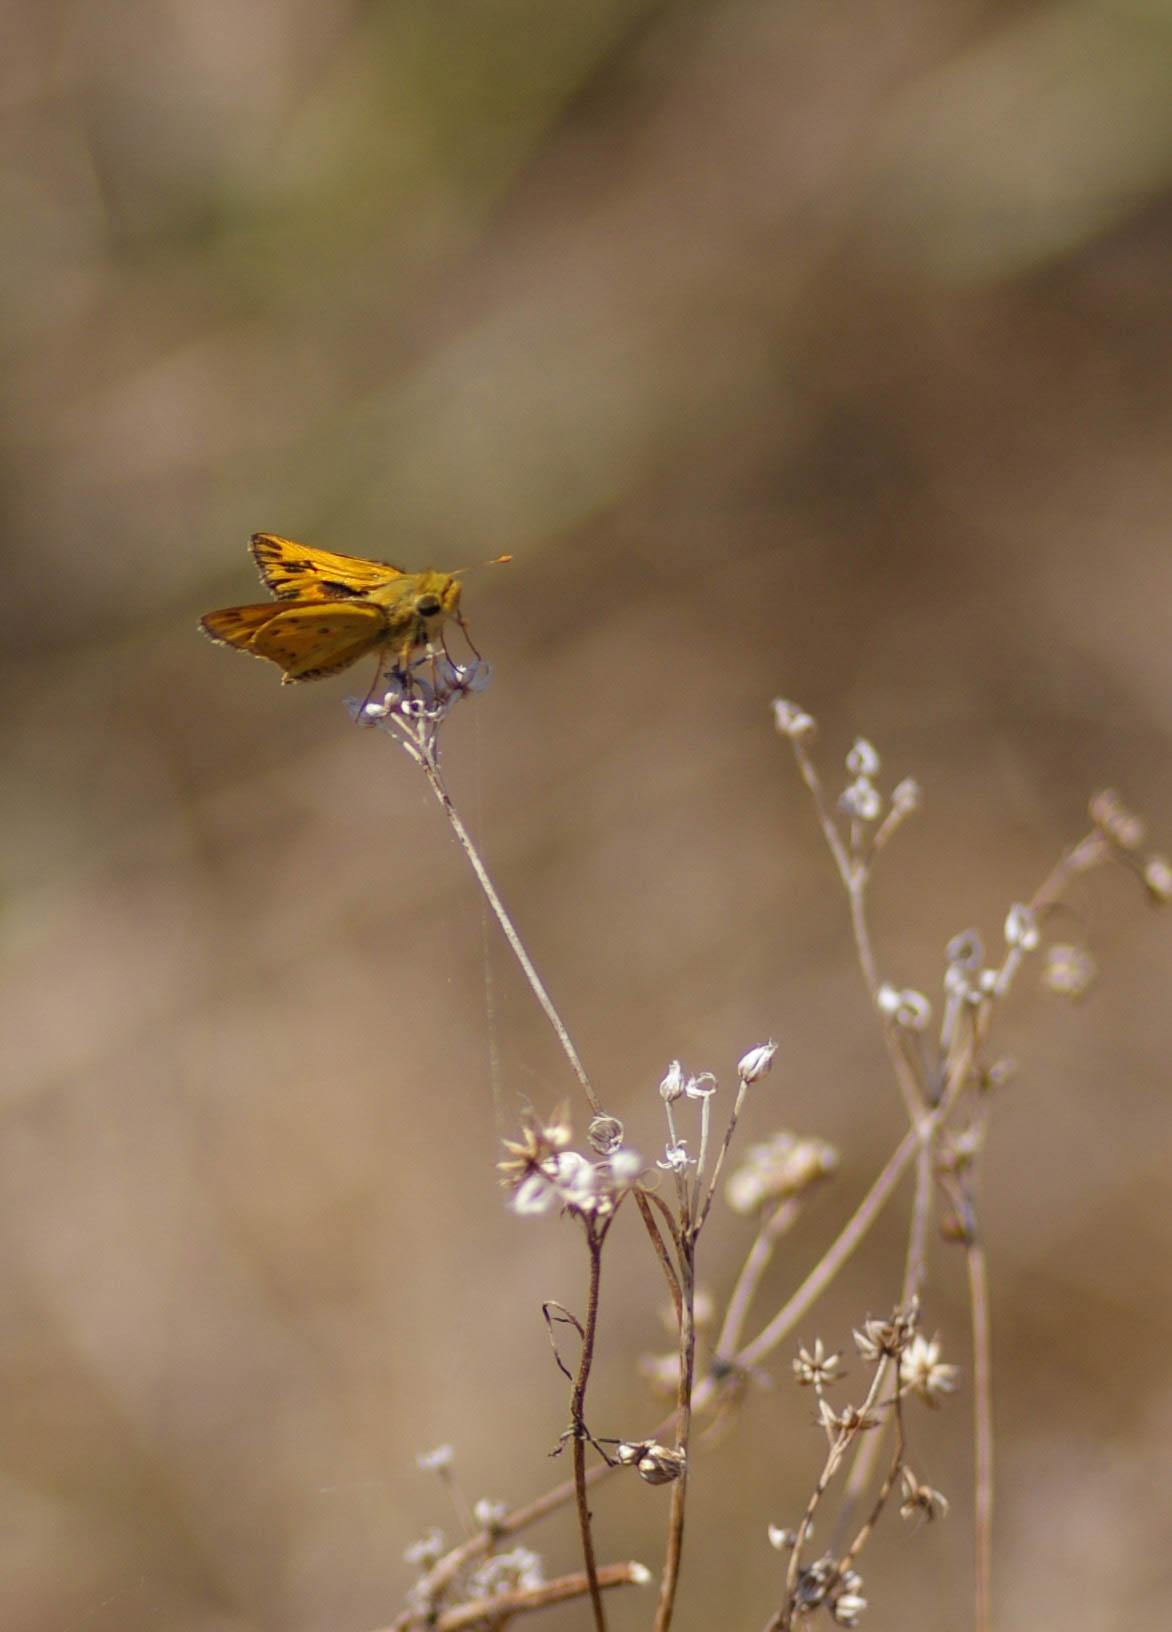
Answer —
792 349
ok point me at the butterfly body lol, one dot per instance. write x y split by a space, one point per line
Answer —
333 609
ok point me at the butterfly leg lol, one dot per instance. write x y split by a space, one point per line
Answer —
378 674
467 637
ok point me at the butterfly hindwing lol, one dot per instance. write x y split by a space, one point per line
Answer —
236 625
311 639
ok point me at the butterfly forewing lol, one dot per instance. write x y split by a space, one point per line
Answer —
300 572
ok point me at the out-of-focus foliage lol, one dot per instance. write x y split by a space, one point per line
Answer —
792 348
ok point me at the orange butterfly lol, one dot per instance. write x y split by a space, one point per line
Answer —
333 609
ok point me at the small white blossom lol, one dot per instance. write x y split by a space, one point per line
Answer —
907 796
624 1168
1021 928
437 1461
862 760
1157 877
848 1607
428 1550
517 1571
861 800
791 720
909 1009
965 950
1068 971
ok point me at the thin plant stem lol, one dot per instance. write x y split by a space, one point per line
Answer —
836 1255
870 1446
675 1530
594 1239
495 1611
644 1203
978 1277
854 872
839 1445
885 1489
749 1279
738 1104
435 780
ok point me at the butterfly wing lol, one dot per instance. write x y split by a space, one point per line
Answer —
301 572
237 625
311 639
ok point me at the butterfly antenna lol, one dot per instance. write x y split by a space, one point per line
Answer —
497 561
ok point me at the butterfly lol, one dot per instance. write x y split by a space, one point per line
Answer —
330 610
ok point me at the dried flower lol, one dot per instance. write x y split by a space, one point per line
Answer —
1068 971
544 1176
909 1009
754 1065
785 1166
657 1464
661 1372
920 1500
850 1420
673 1084
922 1372
816 1367
881 1339
815 1581
437 1461
675 1158
536 1145
1113 819
605 1134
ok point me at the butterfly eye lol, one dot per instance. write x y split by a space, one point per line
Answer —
428 605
